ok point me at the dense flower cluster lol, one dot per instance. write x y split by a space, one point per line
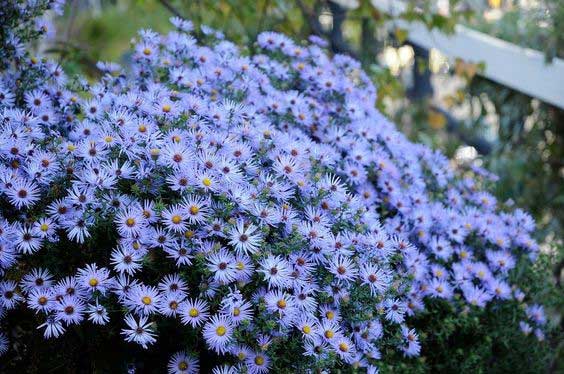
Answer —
20 23
279 202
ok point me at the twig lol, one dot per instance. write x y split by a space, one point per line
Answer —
171 8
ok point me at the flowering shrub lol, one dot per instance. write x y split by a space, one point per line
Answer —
260 202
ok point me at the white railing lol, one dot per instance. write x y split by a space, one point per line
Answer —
522 69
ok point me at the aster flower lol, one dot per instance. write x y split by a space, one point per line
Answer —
308 326
258 362
40 300
9 297
395 310
130 222
98 314
222 265
412 345
238 311
53 327
536 313
476 296
317 348
280 303
170 303
244 238
175 219
196 208
344 348
343 268
125 260
37 279
144 300
377 279
194 312
173 283
45 228
276 271
182 363
218 333
139 332
525 327
27 241
329 330
23 193
70 310
225 369
77 228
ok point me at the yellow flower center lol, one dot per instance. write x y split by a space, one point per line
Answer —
330 315
108 139
183 365
44 227
194 312
147 51
194 210
146 300
241 356
71 147
207 182
130 222
344 347
240 265
259 360
166 108
93 282
329 334
236 312
306 330
176 219
220 330
281 304
42 300
189 234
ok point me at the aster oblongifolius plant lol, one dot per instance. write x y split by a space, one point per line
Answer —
257 201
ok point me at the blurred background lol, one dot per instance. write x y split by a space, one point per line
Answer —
481 80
